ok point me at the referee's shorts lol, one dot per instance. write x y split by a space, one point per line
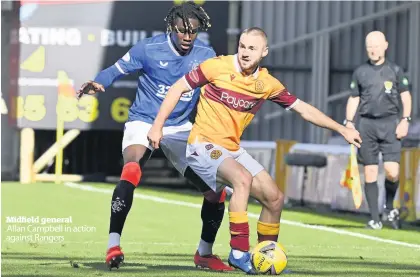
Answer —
378 136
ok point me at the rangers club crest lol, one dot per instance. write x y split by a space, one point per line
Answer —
194 64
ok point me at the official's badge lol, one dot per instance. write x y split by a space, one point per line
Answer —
405 81
259 86
215 154
353 85
388 86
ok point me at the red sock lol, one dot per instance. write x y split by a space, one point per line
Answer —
239 231
131 173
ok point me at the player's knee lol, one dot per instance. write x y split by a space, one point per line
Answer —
276 201
215 197
131 173
244 180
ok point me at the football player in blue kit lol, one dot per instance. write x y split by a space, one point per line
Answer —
161 60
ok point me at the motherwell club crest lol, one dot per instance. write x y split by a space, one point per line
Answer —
215 154
259 86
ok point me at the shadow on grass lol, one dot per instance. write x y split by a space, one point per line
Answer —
175 264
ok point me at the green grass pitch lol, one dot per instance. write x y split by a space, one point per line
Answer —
160 238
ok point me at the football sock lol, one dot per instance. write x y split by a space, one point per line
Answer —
122 199
205 248
267 231
237 254
390 191
212 216
239 231
371 191
114 240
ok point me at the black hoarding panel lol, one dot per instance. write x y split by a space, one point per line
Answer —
64 45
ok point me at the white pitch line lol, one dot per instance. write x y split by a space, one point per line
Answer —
283 221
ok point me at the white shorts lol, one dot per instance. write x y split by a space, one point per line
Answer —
173 143
205 158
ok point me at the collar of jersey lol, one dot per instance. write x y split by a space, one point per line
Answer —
239 69
377 67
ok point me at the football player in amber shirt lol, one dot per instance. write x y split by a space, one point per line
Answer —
233 89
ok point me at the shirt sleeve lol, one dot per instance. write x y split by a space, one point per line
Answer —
355 85
403 83
281 96
132 61
203 74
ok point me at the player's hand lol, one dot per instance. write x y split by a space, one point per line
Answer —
155 136
90 87
402 129
352 136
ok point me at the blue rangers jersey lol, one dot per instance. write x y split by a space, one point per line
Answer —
160 66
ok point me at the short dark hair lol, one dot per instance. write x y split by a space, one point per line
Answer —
257 30
185 11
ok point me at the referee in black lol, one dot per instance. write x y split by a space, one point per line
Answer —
377 87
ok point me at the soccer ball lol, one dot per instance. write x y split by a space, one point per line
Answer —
269 257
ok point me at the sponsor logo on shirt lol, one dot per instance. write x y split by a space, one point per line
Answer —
237 102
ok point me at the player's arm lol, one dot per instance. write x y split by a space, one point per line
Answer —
403 87
315 116
353 101
130 62
311 114
190 81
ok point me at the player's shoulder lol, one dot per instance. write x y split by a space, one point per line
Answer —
219 61
271 83
157 41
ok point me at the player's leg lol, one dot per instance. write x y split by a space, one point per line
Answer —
367 155
135 154
212 211
240 178
391 153
265 190
212 162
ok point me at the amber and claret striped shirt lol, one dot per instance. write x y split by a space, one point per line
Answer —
229 100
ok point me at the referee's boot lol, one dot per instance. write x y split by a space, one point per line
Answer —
375 225
392 217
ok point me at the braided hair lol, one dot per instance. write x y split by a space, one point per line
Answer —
185 11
